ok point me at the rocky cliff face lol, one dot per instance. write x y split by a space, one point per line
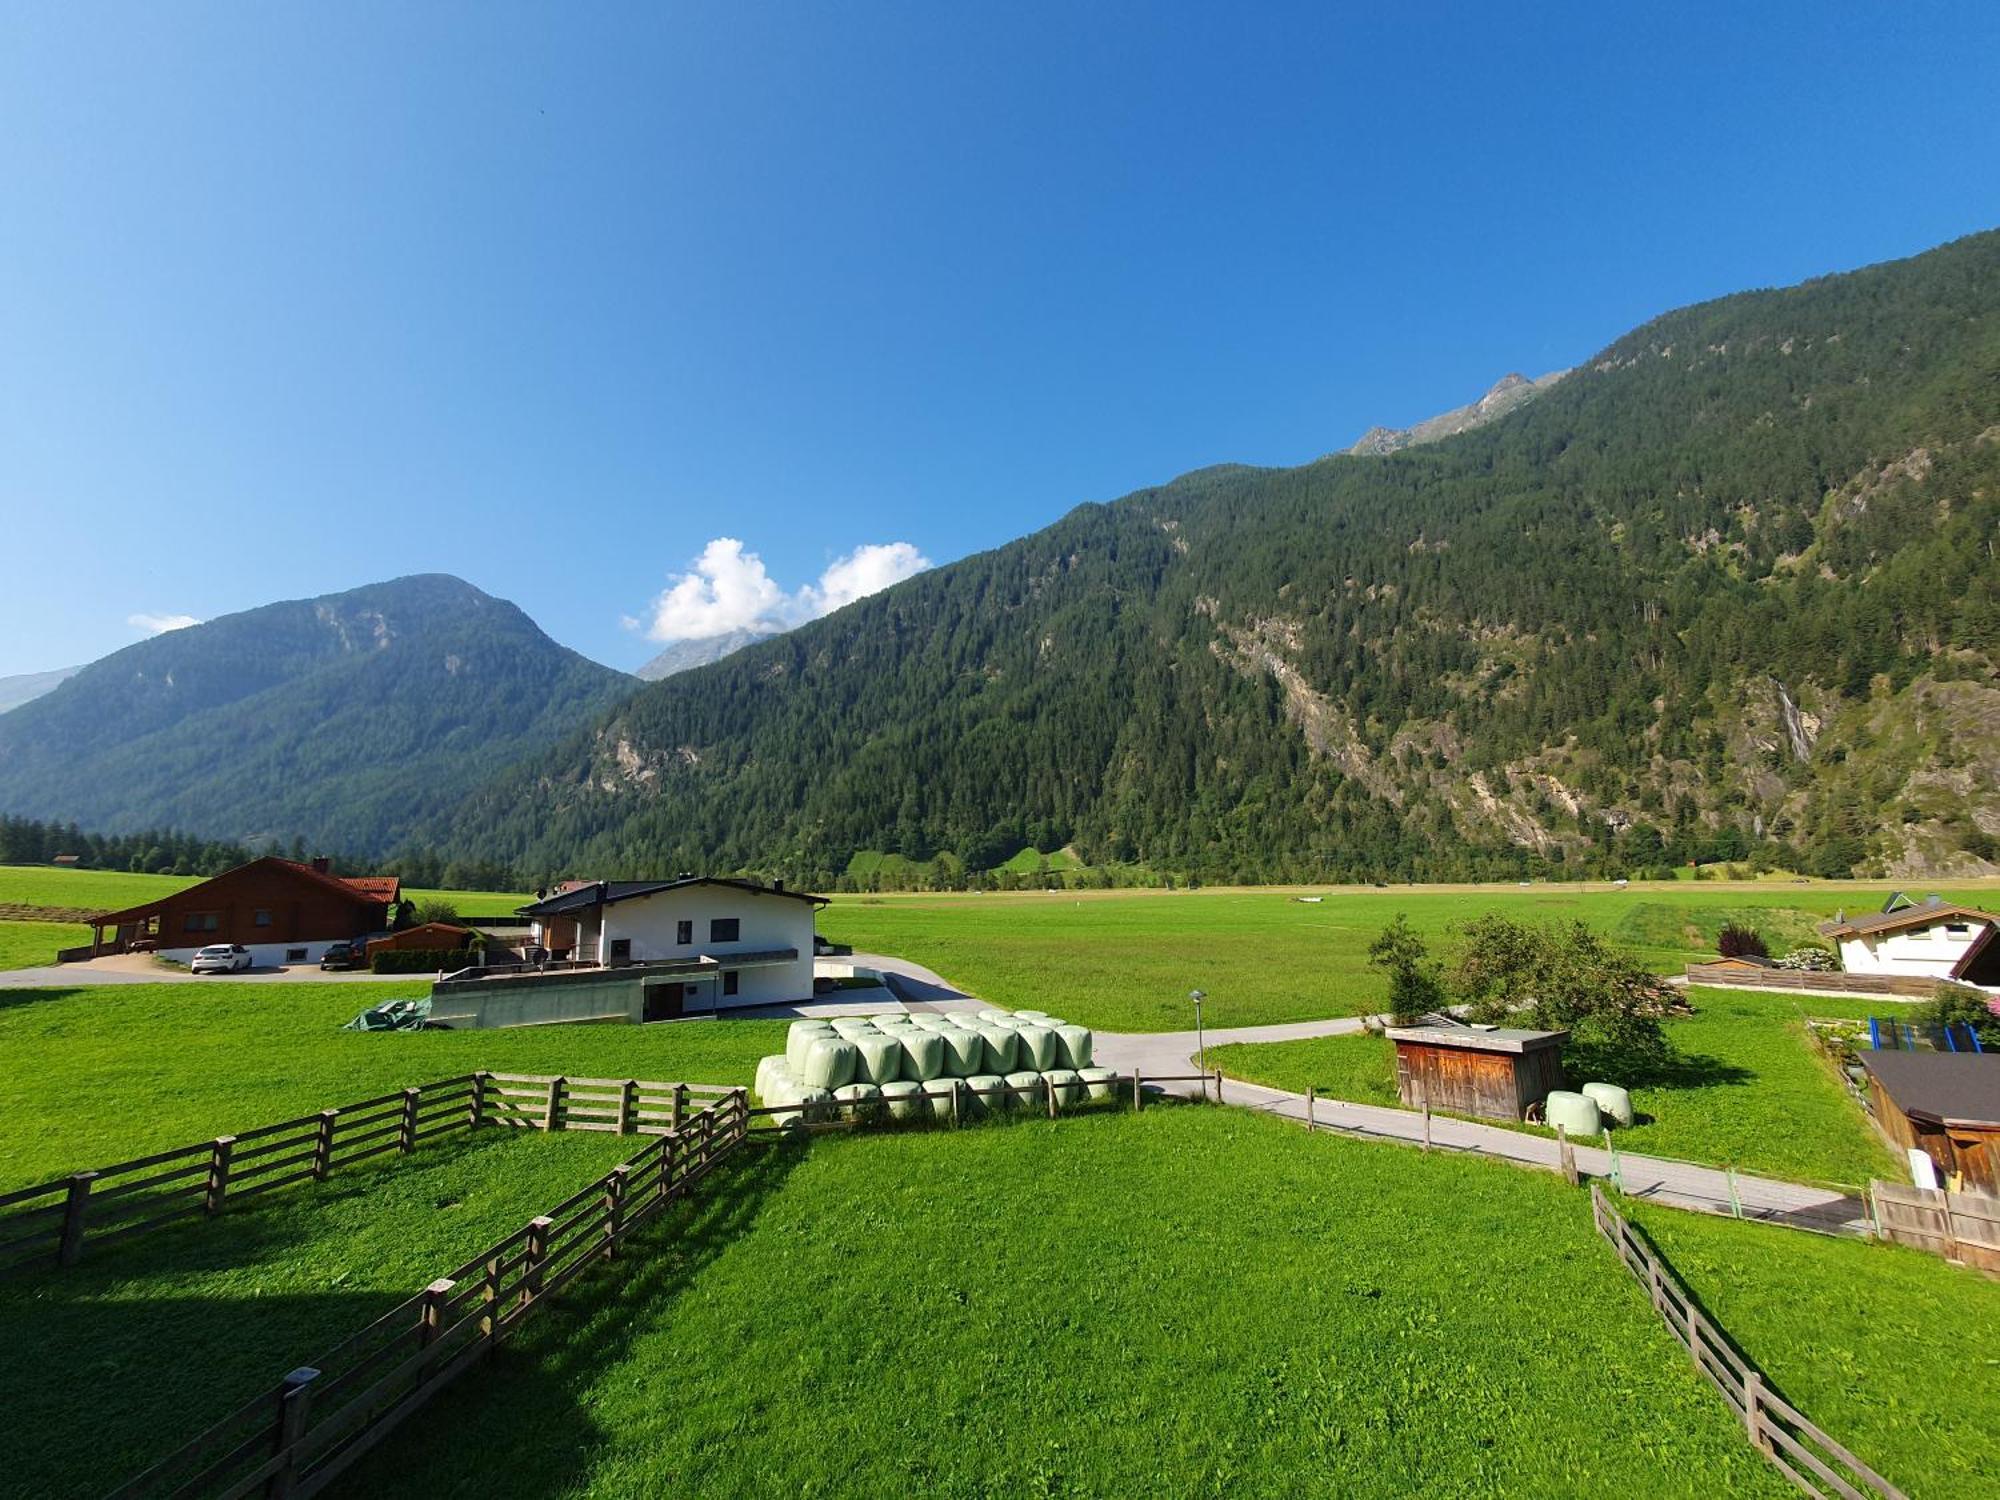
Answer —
1509 393
685 656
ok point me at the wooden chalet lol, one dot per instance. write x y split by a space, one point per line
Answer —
279 909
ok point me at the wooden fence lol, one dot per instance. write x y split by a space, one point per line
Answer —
1777 1429
1959 1226
294 1440
56 1220
1793 979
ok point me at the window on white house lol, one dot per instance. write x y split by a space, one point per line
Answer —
728 981
724 929
684 932
620 948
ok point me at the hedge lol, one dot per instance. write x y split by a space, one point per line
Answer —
421 960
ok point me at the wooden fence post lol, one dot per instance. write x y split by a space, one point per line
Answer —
628 1105
680 1103
538 1253
322 1162
475 1110
552 1112
1312 1101
1049 1088
1566 1153
406 1136
75 1207
1653 1285
1138 1091
489 1298
430 1322
955 1117
1753 1400
1693 1328
614 1208
1427 1124
294 1403
1218 1085
218 1174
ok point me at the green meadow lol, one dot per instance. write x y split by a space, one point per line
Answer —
1125 961
1890 1350
112 890
1745 1088
1191 1301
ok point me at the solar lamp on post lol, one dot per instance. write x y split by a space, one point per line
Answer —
1200 1047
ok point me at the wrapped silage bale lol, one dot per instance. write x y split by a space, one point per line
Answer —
992 1015
938 1095
770 1070
1067 1083
1022 1080
923 1055
977 1099
965 1053
901 1100
830 1062
1073 1046
862 1101
1612 1102
879 1058
1037 1016
1576 1113
928 1022
853 1026
1102 1082
1038 1048
799 1040
1002 1048
1052 1023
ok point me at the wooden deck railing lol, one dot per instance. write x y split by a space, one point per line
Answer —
1777 1429
296 1438
55 1221
1800 979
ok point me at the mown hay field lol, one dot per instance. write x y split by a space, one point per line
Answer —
1125 961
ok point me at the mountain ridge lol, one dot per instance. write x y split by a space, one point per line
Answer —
1509 393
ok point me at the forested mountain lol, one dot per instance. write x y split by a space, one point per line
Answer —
1728 590
341 720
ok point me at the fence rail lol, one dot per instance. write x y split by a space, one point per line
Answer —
959 1097
1780 1431
55 1221
1958 1226
1794 979
297 1438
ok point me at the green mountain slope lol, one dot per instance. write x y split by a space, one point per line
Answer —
342 719
1727 590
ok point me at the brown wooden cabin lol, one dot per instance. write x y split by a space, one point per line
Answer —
274 907
1945 1104
445 937
1492 1073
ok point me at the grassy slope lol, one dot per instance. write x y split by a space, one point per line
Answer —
1125 961
26 945
188 1324
1184 1302
1890 1350
116 1071
1748 1088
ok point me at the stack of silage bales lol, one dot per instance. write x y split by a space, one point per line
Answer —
867 1066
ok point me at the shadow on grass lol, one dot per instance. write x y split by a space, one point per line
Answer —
520 1424
1676 1070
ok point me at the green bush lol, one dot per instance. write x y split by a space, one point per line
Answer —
421 960
1962 1005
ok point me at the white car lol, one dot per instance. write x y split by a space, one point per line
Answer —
220 958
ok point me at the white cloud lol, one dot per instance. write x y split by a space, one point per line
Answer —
160 624
728 589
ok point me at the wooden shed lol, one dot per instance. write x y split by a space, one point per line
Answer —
1491 1072
1945 1104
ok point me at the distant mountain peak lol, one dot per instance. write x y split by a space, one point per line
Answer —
685 656
1510 392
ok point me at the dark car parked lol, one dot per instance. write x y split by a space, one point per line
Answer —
342 955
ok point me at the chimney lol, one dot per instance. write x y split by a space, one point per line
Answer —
322 865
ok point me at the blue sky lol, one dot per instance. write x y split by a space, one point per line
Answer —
294 298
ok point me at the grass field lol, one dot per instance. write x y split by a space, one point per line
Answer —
1746 1089
112 1072
176 1329
1187 1302
25 945
1890 1350
1125 961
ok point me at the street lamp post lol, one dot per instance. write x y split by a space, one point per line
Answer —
1200 1047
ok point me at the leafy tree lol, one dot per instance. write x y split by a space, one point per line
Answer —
1399 952
1561 977
1738 941
1961 1005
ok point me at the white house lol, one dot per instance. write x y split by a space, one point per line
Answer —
1930 939
726 942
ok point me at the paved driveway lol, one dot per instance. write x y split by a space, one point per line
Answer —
137 968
